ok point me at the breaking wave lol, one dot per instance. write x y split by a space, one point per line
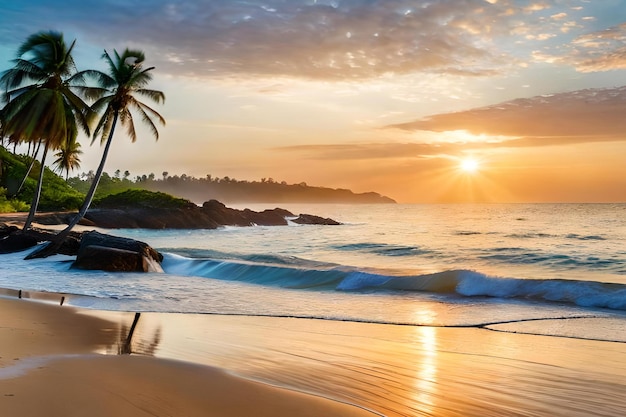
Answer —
289 272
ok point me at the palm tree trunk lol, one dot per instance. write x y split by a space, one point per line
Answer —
55 244
37 196
94 183
30 167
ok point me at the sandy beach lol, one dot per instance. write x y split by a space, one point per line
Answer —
216 365
49 365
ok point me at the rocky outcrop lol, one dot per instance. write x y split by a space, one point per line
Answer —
225 216
211 215
16 241
98 251
13 239
111 253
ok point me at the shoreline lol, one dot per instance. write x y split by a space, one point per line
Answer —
57 355
180 358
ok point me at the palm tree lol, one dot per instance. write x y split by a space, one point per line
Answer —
40 102
116 98
68 157
30 166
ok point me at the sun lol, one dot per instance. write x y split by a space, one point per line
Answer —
469 165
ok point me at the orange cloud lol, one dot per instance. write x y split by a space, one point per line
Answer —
585 115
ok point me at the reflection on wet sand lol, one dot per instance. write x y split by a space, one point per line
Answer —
401 370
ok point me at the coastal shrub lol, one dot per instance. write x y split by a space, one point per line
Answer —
107 184
11 205
56 194
141 198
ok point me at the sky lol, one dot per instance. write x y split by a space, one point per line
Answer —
391 96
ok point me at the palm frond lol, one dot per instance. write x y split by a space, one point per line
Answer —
154 95
147 119
12 79
110 63
101 103
105 124
90 93
13 94
138 57
102 79
85 114
145 108
126 118
142 78
68 59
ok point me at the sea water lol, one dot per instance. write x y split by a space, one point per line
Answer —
508 267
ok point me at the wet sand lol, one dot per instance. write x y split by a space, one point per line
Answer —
47 367
404 370
393 370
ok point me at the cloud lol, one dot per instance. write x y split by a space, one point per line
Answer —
585 115
315 39
330 40
365 151
600 51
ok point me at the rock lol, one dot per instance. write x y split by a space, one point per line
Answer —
311 219
225 216
13 239
151 218
111 259
211 215
17 241
111 253
69 246
6 230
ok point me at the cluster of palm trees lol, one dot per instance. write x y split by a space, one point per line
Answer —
46 104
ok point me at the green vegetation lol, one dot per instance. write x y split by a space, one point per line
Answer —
41 106
141 198
107 185
68 157
11 205
227 190
56 195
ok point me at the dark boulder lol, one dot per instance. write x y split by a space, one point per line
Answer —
225 216
13 239
112 253
6 230
17 241
103 258
311 219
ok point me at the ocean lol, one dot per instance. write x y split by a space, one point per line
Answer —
508 267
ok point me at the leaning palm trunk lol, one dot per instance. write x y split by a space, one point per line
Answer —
30 168
37 196
94 184
52 247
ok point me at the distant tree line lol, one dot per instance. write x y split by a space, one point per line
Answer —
225 189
